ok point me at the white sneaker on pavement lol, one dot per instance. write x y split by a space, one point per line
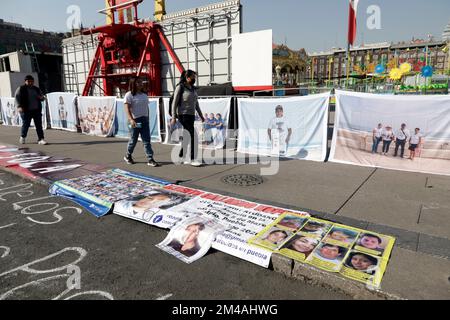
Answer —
43 142
22 140
196 164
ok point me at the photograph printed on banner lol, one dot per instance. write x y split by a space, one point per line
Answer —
62 111
328 257
11 117
299 247
315 228
294 222
288 127
272 238
341 236
408 133
364 268
191 238
374 244
212 132
97 115
144 207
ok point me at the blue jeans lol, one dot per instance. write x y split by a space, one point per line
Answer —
36 116
144 131
376 143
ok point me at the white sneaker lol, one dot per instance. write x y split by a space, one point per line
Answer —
43 142
188 162
22 140
196 164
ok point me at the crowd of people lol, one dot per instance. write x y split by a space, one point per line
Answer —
96 121
402 137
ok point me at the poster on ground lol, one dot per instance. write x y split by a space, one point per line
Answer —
408 133
354 253
62 111
40 166
121 125
96 115
212 133
284 127
191 238
11 117
243 219
102 190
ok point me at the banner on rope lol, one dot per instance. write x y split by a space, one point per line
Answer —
62 111
290 127
121 124
11 117
408 133
354 253
97 115
212 133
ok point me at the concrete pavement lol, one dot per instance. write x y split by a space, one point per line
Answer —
413 207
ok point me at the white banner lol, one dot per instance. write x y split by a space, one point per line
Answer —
377 130
97 115
62 111
11 117
121 124
286 127
212 134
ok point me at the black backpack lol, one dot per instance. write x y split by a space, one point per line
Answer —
173 96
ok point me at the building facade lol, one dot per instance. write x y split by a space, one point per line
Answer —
332 65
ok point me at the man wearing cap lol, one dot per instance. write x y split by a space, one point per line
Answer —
28 101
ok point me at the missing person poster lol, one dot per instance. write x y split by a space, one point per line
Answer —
212 133
408 133
191 238
102 190
284 127
12 117
122 126
152 207
354 253
244 220
96 115
62 111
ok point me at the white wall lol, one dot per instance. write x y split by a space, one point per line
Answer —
252 59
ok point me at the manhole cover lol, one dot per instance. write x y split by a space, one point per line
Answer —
243 180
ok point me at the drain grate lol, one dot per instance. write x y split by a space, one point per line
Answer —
243 180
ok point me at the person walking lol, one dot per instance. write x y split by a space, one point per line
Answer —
137 111
401 136
28 101
184 106
415 142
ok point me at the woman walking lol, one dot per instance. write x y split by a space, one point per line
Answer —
137 110
184 106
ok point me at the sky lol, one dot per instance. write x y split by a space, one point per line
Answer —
316 25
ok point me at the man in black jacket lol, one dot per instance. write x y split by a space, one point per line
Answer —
29 104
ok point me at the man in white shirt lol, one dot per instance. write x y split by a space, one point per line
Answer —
279 132
377 132
401 136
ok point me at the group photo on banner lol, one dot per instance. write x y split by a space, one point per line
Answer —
122 125
62 111
408 133
11 116
96 115
285 127
212 133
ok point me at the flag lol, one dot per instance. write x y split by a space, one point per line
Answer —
352 21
